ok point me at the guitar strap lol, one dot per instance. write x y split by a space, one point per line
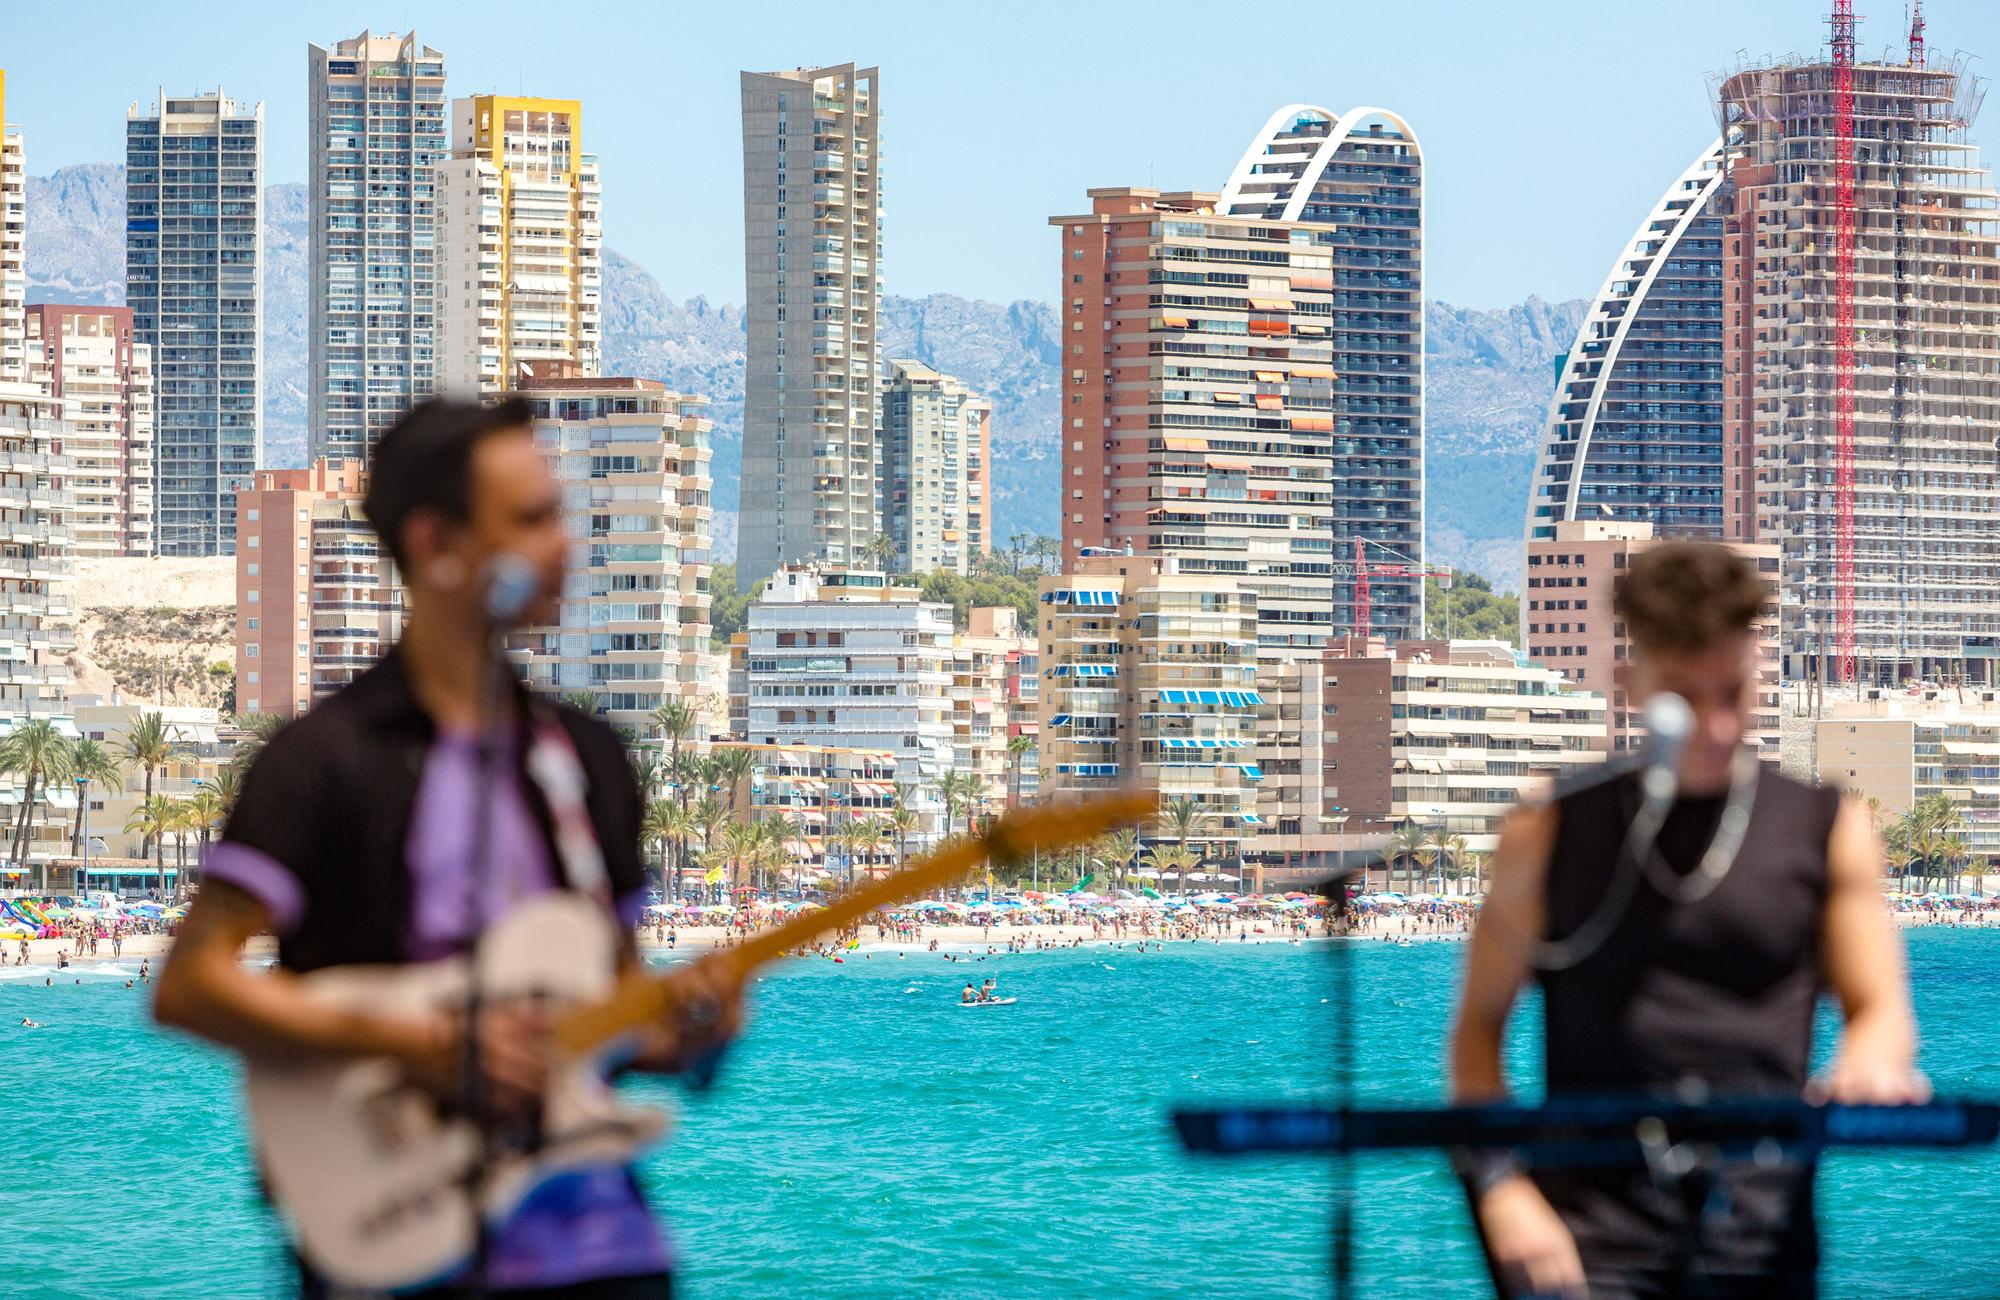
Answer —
558 773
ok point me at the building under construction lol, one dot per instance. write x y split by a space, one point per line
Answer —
1861 357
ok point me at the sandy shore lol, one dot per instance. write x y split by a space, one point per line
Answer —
959 939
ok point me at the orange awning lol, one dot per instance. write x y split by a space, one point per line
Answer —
1270 376
1271 304
1174 322
1272 327
1186 444
1226 395
1180 508
1312 282
1312 423
1269 402
1232 466
1313 372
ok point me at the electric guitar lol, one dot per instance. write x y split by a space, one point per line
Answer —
385 1189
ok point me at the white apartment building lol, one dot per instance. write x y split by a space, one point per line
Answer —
376 127
86 355
633 461
520 249
844 659
812 474
936 447
37 618
987 711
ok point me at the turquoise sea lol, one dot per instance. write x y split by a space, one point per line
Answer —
869 1138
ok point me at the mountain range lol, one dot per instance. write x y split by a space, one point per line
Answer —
1488 372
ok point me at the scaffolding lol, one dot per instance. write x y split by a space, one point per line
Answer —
1862 235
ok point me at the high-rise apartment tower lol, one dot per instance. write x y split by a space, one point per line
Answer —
936 451
194 278
520 248
812 474
376 125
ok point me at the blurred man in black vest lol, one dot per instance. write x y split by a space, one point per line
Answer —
1751 893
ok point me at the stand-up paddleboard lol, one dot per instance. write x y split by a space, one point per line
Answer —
990 1002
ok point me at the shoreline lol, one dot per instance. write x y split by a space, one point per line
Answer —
959 940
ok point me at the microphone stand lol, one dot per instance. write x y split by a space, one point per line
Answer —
493 718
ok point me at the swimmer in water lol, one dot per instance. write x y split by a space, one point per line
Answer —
30 1024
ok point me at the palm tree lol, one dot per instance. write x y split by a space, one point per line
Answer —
1175 858
580 700
1404 842
658 827
732 764
1181 819
206 813
180 821
708 817
903 821
148 742
91 760
1017 751
152 820
1452 848
739 842
41 754
879 550
1425 856
227 784
259 729
866 839
961 792
1115 850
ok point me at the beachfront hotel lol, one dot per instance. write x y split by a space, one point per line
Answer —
816 793
317 601
520 250
847 659
1149 676
936 454
812 469
632 458
194 279
86 354
375 109
1903 746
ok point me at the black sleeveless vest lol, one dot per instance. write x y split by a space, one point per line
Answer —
1721 989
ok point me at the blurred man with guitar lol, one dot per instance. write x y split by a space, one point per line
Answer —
407 814
1681 919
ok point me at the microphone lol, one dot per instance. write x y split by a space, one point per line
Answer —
1671 722
510 588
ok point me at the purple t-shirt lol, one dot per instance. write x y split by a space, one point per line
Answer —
581 1225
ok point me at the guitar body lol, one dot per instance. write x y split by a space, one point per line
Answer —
375 1180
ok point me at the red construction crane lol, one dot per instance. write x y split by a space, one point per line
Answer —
1917 34
1362 570
1841 31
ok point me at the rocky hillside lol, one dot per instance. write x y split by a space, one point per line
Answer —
156 629
1489 372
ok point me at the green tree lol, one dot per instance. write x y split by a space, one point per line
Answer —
729 607
258 729
40 753
1018 749
961 793
152 820
91 760
1114 851
1181 819
903 822
1404 842
1472 610
148 742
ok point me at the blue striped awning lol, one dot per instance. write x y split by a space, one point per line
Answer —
1069 596
1086 670
1202 742
1233 699
1251 771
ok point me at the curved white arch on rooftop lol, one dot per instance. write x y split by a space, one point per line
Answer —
1341 126
1694 187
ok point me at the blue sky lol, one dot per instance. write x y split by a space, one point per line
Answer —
1548 128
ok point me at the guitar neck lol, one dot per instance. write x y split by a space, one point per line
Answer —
642 999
